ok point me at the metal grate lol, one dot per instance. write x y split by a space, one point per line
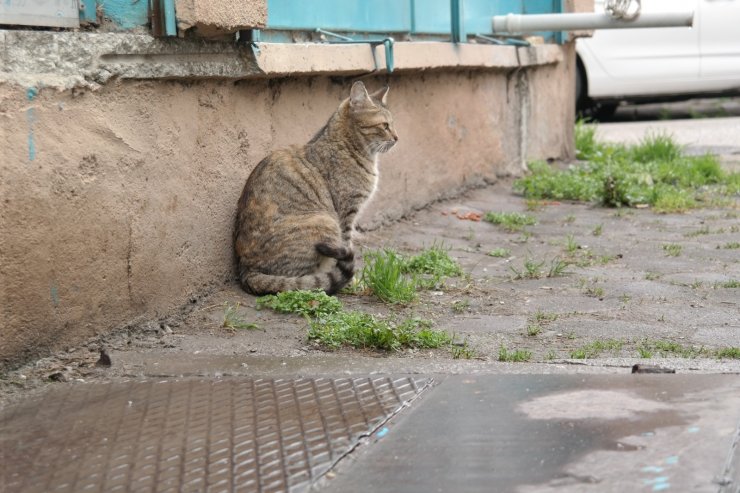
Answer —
240 435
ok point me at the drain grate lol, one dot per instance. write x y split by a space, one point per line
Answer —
240 435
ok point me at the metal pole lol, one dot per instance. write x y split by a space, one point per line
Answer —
517 24
170 23
457 18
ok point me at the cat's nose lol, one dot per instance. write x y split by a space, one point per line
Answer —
394 135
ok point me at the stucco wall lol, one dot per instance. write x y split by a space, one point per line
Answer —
117 204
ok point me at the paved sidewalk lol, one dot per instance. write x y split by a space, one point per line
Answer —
189 405
559 433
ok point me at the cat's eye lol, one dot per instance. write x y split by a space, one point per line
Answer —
386 126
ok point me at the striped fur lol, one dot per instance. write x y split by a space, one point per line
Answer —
297 213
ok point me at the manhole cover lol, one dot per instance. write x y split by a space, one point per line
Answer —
246 435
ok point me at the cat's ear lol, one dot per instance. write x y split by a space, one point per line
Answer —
358 96
382 95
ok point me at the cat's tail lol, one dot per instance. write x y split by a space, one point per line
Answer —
332 281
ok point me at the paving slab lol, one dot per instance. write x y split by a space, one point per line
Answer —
558 433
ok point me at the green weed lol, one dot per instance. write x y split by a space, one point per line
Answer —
533 330
571 246
587 148
384 275
460 306
669 348
362 330
731 284
515 355
395 278
463 351
597 230
644 352
605 259
309 303
431 266
557 268
728 353
499 252
654 172
595 348
594 291
652 276
701 231
232 319
532 269
672 249
543 317
733 245
510 221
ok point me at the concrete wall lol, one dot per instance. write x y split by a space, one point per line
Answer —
117 204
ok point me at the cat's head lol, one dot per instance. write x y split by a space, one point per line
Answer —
372 122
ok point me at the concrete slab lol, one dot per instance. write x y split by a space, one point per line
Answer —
558 433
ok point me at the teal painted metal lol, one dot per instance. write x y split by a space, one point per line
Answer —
387 43
124 14
377 16
457 21
170 20
88 11
421 17
365 19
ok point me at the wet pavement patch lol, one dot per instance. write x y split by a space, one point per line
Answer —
558 433
193 435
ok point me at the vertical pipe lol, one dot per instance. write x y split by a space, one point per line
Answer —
170 22
413 16
456 17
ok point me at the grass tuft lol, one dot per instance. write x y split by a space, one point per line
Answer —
310 303
383 274
728 353
731 284
395 278
460 306
672 249
432 265
533 330
499 252
463 351
654 172
362 330
595 348
510 221
514 355
532 269
669 348
232 319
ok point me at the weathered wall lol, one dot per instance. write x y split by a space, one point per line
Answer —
118 204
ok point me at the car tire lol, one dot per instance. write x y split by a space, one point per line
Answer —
604 111
582 101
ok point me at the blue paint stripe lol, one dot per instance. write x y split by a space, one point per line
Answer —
170 24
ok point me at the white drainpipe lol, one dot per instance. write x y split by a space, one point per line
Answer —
518 24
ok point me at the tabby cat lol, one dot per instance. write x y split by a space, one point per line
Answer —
296 215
